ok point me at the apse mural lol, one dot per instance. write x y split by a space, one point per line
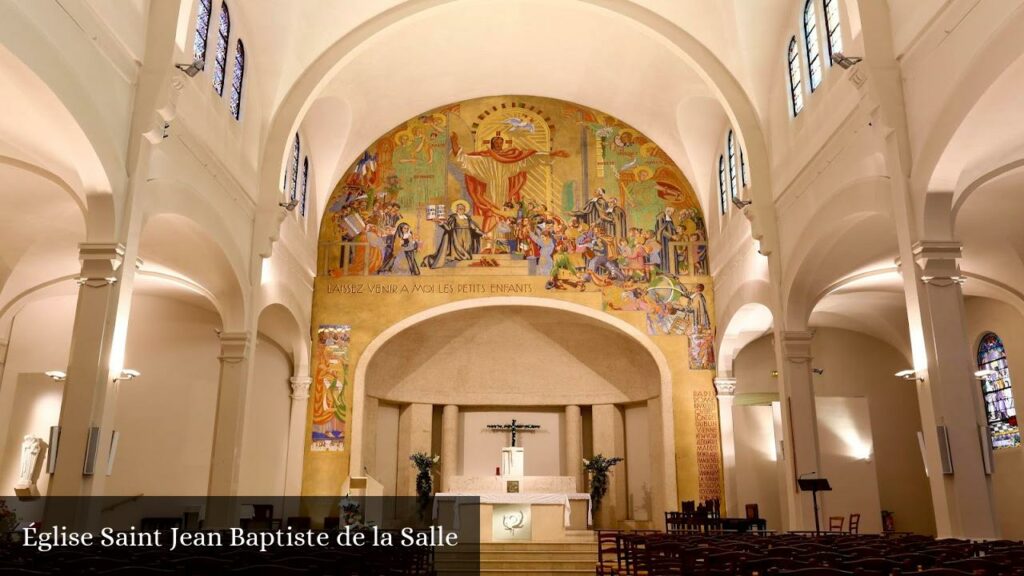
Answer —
331 380
527 186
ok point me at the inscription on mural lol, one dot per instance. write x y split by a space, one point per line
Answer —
709 455
503 288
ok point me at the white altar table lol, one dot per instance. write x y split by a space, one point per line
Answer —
497 484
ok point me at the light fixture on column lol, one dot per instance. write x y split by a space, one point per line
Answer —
127 374
192 69
56 375
845 62
984 374
818 371
943 281
909 374
740 204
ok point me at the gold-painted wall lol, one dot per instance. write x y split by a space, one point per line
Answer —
512 196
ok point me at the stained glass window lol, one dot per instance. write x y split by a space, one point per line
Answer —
811 43
796 91
731 149
305 186
202 31
236 81
294 182
997 390
221 61
721 184
832 28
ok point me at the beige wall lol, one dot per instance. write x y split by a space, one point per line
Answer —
480 449
638 461
892 403
757 479
847 461
986 315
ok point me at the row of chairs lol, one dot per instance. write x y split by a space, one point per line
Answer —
834 554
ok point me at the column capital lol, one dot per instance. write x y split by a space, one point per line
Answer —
300 387
926 250
101 263
725 386
939 262
234 346
796 345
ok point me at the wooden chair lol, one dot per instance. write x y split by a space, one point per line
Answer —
752 512
835 523
609 552
854 523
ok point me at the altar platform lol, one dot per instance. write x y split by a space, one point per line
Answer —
521 516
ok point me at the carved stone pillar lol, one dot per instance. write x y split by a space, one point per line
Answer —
574 445
449 445
296 434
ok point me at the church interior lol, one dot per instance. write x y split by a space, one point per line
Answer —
633 275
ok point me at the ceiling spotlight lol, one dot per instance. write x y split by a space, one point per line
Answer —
192 69
741 204
983 374
290 205
909 374
128 374
845 62
775 373
56 375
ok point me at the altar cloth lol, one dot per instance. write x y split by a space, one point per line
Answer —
515 498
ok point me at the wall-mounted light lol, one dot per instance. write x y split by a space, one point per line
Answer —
909 374
943 281
775 373
192 69
127 374
56 375
984 374
818 371
845 62
740 204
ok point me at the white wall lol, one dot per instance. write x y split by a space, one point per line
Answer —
480 449
847 461
757 479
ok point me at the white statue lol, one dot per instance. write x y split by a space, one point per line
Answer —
30 449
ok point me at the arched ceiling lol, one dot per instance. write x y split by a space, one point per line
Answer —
477 355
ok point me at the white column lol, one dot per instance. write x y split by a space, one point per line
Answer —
414 435
574 445
449 445
296 435
609 436
235 367
726 388
800 455
947 391
90 391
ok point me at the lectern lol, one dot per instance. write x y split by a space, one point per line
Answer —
814 485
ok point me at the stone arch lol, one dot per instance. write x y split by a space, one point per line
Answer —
666 464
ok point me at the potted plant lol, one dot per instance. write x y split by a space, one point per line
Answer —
598 467
8 524
424 479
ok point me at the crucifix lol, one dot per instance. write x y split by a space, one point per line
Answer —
515 427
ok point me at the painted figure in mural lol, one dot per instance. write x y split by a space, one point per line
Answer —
460 238
498 174
604 211
698 307
401 257
328 394
543 238
665 231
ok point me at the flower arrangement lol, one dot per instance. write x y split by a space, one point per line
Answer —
351 512
598 466
424 479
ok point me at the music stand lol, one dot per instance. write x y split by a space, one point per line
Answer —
814 485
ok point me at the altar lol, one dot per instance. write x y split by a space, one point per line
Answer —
537 517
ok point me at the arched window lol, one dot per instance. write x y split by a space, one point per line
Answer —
221 61
305 186
236 81
997 390
832 29
202 31
744 173
796 91
721 184
811 44
731 150
294 182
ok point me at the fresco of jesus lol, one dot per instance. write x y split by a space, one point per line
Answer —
498 169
